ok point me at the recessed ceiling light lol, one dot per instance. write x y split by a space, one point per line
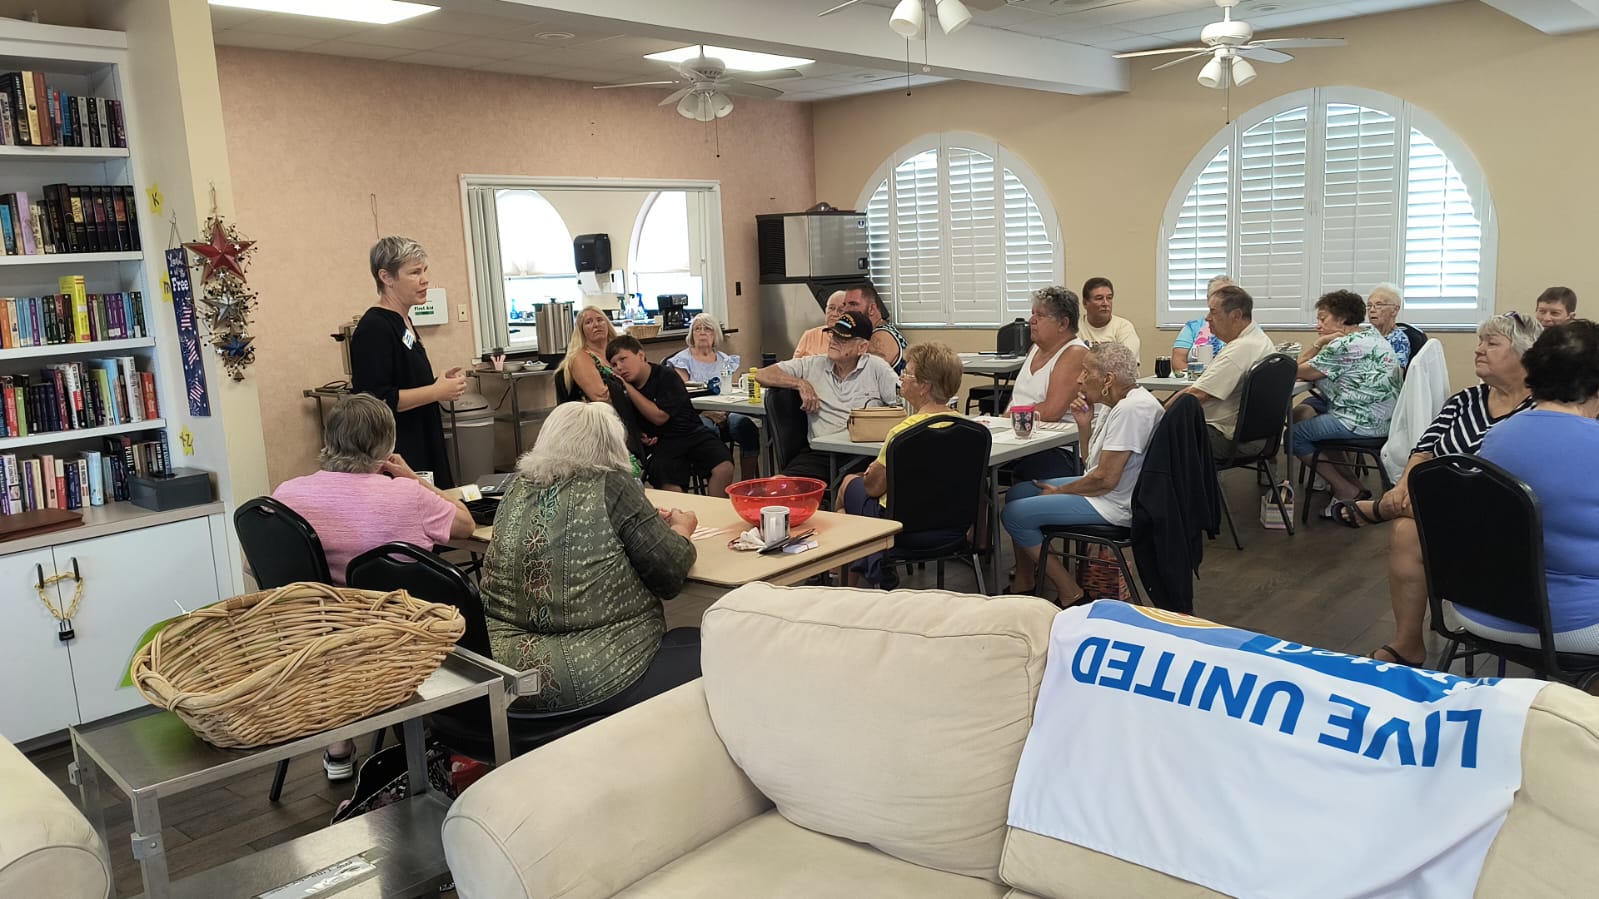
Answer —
735 60
374 12
555 35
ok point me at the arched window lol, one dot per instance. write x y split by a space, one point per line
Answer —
661 261
1332 188
535 254
960 232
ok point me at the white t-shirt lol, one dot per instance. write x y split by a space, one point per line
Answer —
1126 426
1031 387
1117 330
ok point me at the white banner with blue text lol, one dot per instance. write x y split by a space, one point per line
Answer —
1259 767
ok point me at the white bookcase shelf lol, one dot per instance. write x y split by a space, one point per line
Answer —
71 258
92 348
7 444
11 153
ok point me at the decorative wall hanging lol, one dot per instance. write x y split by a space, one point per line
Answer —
188 332
226 301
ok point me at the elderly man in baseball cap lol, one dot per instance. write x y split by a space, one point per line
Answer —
848 377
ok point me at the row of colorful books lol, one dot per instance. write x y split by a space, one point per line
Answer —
72 316
70 218
90 478
34 114
67 396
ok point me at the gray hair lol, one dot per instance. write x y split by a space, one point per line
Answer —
1219 281
576 439
1521 331
1060 304
1388 290
1115 360
358 435
389 253
704 318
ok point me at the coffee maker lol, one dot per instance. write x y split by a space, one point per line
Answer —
674 311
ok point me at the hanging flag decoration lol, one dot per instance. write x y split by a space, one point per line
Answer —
226 302
188 332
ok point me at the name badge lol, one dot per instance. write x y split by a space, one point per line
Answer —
409 340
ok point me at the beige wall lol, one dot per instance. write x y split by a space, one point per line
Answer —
310 137
1523 102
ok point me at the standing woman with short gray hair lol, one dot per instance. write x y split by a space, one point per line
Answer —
387 358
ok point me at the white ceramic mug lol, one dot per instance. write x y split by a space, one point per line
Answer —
774 524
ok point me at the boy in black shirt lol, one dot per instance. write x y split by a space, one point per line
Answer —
679 443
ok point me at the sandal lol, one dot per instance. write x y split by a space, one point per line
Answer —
1334 502
1397 658
1348 513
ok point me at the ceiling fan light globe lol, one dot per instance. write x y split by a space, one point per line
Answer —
720 104
694 106
1214 74
1243 72
908 20
953 15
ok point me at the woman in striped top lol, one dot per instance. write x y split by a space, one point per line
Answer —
1459 428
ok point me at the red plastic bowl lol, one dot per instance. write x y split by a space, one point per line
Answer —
802 496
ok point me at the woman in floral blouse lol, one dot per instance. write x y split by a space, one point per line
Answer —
577 569
1356 372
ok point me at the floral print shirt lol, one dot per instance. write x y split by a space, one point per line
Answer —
1362 383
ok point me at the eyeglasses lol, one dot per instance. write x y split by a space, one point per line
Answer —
1381 306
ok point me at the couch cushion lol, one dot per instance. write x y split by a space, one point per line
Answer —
1545 847
47 847
893 719
769 856
1058 870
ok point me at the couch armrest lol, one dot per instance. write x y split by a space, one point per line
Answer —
47 847
590 813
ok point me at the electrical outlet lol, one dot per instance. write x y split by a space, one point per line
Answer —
460 313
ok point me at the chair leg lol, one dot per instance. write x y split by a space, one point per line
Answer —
1039 577
277 781
1310 478
1228 514
940 569
977 569
1447 657
1127 573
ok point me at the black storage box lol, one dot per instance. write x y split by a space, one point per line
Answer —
184 487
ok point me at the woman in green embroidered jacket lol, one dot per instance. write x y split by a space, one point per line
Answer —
578 566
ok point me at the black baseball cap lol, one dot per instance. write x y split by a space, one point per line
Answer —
853 326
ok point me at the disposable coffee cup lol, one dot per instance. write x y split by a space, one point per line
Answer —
1022 419
774 524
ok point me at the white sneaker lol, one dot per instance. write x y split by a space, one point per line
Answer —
1319 485
339 768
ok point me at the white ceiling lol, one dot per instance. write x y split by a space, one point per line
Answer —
1059 45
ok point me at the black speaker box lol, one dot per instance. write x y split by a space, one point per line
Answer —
592 252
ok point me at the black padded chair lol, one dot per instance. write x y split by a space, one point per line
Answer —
1416 335
935 488
1359 449
788 423
1262 404
464 728
281 547
1469 510
991 399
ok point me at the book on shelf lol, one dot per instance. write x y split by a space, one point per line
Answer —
77 395
35 114
84 479
72 316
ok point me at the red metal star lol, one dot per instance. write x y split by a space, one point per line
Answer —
221 253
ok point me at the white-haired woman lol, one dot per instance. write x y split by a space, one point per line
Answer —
578 566
1382 310
387 358
1116 441
364 496
1460 427
703 360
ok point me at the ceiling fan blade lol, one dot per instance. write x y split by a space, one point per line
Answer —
773 75
603 87
1287 42
1177 62
838 7
675 96
743 89
1137 53
1265 54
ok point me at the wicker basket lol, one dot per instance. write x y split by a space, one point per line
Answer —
642 331
272 666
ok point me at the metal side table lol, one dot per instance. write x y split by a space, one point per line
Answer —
151 755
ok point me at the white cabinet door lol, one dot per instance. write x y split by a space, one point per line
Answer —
131 581
34 663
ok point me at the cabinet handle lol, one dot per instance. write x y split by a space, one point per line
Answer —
40 570
75 573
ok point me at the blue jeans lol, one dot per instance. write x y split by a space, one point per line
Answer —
1027 512
1311 431
741 428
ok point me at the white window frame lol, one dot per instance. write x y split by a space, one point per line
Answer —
954 316
480 223
637 274
1406 116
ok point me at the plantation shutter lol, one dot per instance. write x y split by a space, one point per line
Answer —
1360 195
1270 232
918 257
972 238
1029 252
1196 250
1443 237
879 259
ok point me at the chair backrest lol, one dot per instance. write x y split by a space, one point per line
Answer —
788 423
1014 338
1417 337
280 546
405 566
1263 401
935 473
1481 534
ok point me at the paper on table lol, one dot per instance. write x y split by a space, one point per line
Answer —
702 533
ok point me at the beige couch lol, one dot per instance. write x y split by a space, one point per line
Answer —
47 847
855 743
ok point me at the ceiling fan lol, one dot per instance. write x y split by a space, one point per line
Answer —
1230 46
704 86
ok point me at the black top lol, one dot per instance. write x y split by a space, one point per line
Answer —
380 364
666 390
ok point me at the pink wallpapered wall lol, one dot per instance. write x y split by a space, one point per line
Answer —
310 137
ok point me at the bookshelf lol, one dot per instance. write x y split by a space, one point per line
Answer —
134 561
